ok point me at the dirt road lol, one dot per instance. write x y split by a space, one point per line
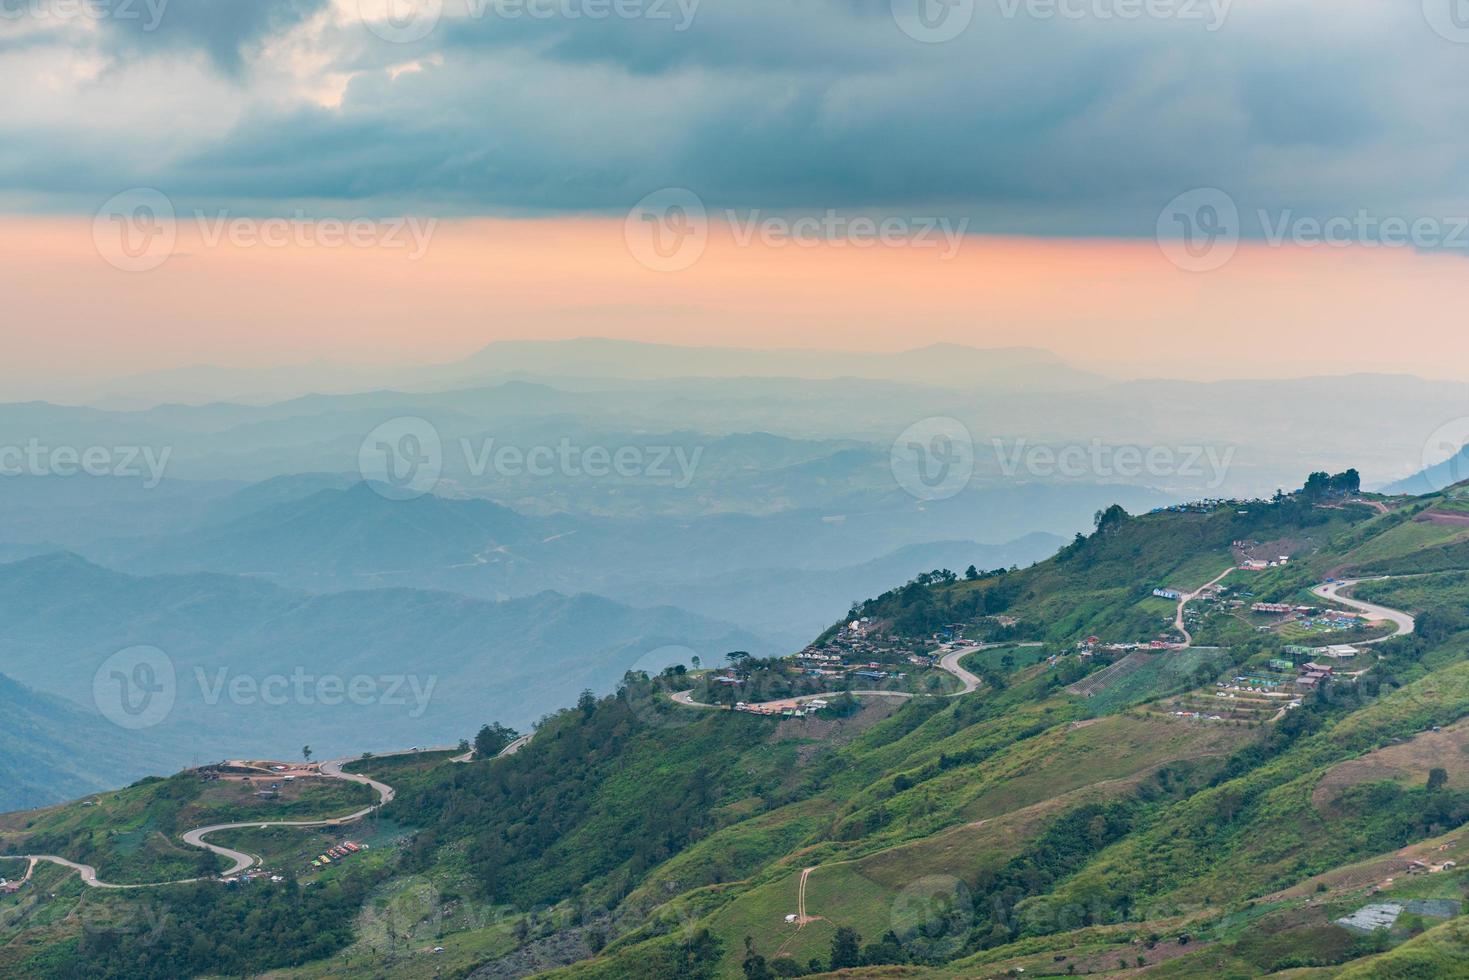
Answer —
240 861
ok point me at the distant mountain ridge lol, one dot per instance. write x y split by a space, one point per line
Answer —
948 364
64 616
52 749
1432 479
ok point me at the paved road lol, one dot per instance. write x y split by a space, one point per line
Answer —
969 683
950 662
240 861
1332 590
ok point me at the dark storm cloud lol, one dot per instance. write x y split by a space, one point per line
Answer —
224 30
1026 123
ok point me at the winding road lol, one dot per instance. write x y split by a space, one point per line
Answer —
949 663
240 860
1332 590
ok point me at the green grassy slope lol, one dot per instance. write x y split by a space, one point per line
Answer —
1021 826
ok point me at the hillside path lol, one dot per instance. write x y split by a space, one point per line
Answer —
949 663
1404 622
1188 638
240 860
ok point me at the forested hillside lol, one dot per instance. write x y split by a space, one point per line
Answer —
1155 785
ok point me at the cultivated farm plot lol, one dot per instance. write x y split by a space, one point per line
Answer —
1147 676
1110 675
1223 705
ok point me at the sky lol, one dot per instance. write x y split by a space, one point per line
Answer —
1179 187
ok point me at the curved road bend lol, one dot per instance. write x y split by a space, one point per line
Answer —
242 861
949 663
1332 590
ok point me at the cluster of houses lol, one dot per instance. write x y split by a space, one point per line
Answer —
1092 644
1429 868
1337 651
861 639
1313 675
9 887
863 647
1207 505
343 850
250 876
